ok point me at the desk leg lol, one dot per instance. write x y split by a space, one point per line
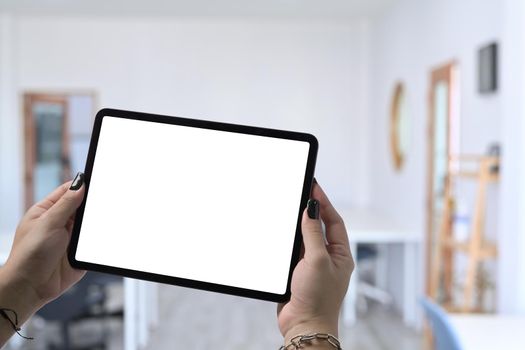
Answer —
410 283
139 313
142 319
349 303
130 314
381 268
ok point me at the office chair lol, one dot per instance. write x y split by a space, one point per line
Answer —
84 301
367 255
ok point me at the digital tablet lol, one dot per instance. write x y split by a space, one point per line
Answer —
194 203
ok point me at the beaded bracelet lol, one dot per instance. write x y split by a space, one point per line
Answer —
297 341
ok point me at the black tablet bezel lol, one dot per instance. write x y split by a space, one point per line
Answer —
307 184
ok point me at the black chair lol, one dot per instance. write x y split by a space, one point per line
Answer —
367 254
84 301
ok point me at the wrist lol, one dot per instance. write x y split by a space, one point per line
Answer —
17 295
310 327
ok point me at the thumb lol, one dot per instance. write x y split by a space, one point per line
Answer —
59 214
312 230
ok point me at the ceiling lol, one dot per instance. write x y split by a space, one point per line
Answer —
308 9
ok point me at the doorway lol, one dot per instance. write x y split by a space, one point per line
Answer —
57 129
443 141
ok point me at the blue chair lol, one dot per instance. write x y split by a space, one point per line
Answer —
444 335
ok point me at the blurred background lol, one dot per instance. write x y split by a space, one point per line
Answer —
419 109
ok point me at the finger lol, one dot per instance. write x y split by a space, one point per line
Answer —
312 230
61 211
335 227
41 206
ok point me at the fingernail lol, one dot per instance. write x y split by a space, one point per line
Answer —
313 209
77 181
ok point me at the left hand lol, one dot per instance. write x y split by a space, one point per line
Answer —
37 266
320 279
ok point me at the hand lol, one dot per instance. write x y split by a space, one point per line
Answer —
37 270
320 279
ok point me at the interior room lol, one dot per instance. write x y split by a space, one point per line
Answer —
419 110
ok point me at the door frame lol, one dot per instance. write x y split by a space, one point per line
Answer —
29 99
53 95
446 72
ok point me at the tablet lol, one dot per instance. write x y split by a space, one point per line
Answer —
194 203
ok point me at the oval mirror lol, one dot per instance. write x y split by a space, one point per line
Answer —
399 126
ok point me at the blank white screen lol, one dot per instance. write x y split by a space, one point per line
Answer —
200 204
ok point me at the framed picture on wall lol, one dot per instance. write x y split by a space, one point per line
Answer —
488 68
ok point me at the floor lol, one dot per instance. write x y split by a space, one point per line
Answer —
195 320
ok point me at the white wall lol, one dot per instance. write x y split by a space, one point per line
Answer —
512 221
299 75
10 132
406 43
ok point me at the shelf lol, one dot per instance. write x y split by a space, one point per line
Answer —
482 170
474 175
487 249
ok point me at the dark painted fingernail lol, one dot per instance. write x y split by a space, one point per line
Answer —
313 209
78 181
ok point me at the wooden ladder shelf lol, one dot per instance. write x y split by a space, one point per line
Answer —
476 248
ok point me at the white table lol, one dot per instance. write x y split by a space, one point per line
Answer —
480 332
368 227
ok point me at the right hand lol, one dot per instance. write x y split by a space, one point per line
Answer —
320 279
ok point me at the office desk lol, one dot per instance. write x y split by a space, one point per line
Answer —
480 332
368 227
